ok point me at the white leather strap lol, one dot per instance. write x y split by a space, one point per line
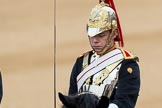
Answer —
98 65
112 105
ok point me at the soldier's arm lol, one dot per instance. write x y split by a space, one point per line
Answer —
73 78
128 86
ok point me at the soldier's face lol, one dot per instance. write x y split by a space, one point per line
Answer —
99 42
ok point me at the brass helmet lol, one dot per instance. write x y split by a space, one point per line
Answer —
102 18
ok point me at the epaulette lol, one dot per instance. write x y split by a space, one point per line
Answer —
85 53
85 59
129 55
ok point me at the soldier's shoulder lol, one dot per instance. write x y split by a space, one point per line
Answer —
85 53
129 55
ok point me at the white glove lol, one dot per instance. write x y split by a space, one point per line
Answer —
112 105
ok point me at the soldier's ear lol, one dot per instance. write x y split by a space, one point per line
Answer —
68 101
116 35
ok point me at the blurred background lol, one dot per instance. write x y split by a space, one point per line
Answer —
142 29
26 53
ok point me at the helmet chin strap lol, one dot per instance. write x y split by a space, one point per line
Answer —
109 45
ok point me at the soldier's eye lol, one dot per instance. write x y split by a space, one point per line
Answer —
101 35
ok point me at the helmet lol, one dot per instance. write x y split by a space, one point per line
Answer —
102 18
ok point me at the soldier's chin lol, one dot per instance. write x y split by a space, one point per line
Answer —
100 51
97 51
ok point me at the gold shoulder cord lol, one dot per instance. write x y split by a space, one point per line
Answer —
84 65
85 61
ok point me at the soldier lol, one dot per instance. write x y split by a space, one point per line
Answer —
107 70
